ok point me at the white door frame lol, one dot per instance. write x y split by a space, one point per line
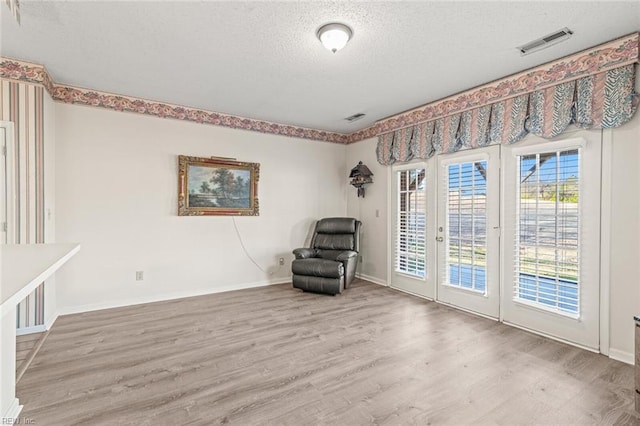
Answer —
488 304
547 322
605 239
428 283
7 192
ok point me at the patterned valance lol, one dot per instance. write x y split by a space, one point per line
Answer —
602 100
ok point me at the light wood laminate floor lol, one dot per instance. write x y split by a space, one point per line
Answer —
275 355
27 346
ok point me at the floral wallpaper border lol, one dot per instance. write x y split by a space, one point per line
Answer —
16 70
616 53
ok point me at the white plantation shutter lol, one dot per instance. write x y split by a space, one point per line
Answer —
466 231
547 267
411 223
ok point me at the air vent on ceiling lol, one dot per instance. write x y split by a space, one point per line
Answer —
354 117
546 41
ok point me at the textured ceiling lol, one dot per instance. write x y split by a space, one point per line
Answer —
262 60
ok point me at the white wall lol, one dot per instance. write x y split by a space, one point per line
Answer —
116 194
372 210
625 236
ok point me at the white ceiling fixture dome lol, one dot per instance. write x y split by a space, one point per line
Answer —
334 36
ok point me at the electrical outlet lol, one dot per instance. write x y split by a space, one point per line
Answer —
281 261
360 259
139 275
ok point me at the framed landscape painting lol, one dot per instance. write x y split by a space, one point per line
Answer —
217 186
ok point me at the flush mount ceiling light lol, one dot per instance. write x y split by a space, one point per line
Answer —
334 36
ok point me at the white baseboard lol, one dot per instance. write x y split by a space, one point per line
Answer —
10 417
421 296
168 296
618 355
372 279
552 337
30 330
49 321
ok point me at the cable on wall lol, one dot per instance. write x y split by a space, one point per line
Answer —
246 252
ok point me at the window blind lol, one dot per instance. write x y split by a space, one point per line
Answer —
411 223
547 272
466 192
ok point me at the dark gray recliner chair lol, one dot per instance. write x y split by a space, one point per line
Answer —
329 265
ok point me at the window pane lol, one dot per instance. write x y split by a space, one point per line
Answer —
547 240
467 225
411 223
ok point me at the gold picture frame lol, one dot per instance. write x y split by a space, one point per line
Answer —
217 187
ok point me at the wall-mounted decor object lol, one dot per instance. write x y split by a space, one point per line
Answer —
360 176
14 8
217 186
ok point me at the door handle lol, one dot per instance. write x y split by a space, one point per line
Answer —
439 239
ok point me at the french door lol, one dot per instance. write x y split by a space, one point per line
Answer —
552 237
412 228
468 230
509 232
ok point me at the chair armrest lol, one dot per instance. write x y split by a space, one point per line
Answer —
304 253
347 254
